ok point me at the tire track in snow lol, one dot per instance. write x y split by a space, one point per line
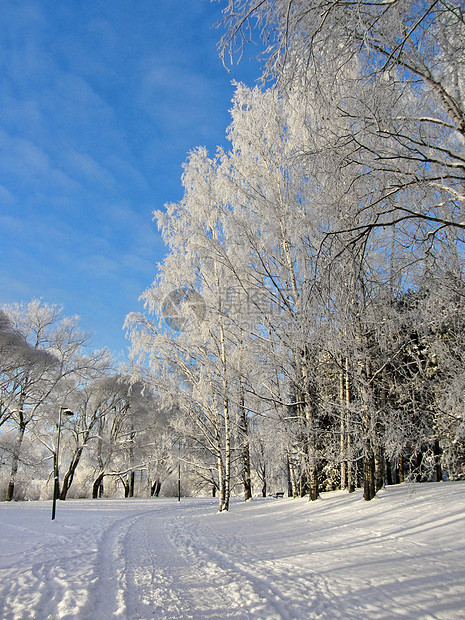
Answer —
140 572
149 572
163 581
242 582
279 589
106 592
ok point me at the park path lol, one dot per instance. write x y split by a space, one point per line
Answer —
164 563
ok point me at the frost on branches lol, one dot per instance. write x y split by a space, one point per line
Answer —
329 337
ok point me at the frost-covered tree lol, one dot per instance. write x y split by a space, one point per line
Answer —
122 423
291 283
405 114
383 86
190 368
242 238
16 354
51 346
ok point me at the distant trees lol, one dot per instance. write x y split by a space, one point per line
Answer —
45 364
45 360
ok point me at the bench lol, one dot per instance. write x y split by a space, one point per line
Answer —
278 495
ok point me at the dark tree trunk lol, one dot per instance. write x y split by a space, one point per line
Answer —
15 462
389 476
437 460
263 479
368 474
401 468
289 482
350 478
348 428
67 482
309 413
69 476
155 488
418 460
262 476
292 490
125 483
313 491
10 490
97 488
244 426
342 437
380 469
303 484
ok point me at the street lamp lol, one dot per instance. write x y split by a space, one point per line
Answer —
56 484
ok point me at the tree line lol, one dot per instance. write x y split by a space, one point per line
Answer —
309 313
114 431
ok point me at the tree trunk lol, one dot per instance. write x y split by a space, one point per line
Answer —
419 458
69 476
292 477
437 460
368 429
368 473
220 469
67 481
219 464
401 468
389 473
125 482
313 491
342 431
380 468
350 475
261 471
155 488
247 479
224 467
97 488
226 491
303 483
15 462
131 481
221 487
310 406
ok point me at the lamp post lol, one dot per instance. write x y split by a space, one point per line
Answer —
65 411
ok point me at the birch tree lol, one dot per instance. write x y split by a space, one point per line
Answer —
194 360
407 118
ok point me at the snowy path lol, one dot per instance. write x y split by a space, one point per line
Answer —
400 556
142 574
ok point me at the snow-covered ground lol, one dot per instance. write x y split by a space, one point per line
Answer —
400 556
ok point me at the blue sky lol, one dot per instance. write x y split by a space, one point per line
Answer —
100 102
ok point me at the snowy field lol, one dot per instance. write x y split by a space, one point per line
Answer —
400 556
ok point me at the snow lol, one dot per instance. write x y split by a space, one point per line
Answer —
399 556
